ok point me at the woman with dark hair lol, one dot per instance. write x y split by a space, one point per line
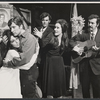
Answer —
4 48
9 77
54 70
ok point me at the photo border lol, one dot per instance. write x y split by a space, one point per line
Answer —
60 2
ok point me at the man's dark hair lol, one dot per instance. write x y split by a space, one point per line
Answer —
17 20
94 16
45 14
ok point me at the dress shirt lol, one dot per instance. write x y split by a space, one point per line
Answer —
43 29
93 34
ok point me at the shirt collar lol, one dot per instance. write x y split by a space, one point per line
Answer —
43 29
95 31
24 34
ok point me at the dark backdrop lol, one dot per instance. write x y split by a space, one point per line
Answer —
59 10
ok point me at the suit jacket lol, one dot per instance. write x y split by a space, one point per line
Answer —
47 35
95 59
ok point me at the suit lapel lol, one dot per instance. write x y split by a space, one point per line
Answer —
98 34
46 32
97 38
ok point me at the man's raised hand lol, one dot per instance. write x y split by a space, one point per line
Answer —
37 33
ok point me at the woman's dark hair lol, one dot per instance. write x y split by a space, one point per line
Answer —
7 33
64 40
5 48
19 49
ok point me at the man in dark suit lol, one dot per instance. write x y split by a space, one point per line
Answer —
44 34
90 67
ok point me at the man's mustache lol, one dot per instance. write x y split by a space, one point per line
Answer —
89 27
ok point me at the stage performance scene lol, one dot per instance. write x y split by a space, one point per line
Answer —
49 50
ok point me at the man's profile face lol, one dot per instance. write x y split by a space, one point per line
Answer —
45 21
92 24
15 29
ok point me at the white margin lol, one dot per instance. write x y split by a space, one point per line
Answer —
67 2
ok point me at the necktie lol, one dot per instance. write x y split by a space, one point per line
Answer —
92 36
42 30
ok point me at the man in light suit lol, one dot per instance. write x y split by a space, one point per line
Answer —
90 67
44 34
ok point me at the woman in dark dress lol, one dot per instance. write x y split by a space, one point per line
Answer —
54 80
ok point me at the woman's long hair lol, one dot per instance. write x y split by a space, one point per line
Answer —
5 48
19 49
7 33
64 39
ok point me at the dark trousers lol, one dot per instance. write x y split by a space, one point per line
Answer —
28 80
87 77
95 81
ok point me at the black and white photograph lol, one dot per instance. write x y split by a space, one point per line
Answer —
5 15
50 50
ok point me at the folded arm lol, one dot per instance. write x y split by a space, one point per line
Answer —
32 61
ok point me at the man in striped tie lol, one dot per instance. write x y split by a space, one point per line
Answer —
90 67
